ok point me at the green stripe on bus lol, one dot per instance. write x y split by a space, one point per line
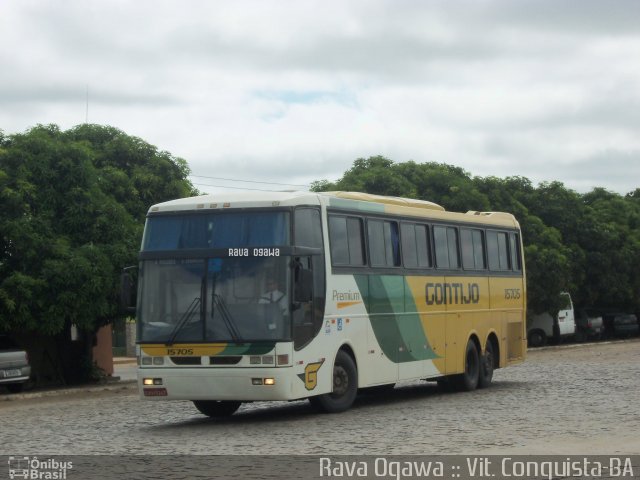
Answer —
248 348
400 335
412 329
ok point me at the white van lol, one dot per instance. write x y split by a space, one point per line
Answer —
541 327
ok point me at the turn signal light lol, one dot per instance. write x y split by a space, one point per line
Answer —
263 381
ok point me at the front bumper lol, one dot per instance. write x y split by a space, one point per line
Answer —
215 384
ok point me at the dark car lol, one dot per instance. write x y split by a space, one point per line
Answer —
14 365
589 325
620 325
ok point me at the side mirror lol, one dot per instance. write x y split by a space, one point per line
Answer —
128 284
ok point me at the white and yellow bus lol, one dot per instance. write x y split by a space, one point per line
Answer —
291 295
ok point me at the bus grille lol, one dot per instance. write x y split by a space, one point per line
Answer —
224 360
186 360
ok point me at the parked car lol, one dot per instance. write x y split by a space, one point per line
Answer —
14 365
620 325
589 325
542 326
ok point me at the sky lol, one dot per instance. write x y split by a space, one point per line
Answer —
282 93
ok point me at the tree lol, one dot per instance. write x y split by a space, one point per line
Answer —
610 237
73 206
548 215
375 175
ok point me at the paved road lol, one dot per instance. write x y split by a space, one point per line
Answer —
125 369
563 400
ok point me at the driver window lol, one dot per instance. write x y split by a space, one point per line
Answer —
308 302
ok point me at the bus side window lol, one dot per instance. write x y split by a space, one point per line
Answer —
514 244
303 282
308 228
308 306
309 271
384 243
472 246
446 244
497 250
415 245
346 241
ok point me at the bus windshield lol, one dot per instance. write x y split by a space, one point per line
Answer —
214 300
216 230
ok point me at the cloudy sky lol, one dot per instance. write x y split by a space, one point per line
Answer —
295 91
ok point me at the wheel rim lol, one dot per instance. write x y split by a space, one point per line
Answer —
340 381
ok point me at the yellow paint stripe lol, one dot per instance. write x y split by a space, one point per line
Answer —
347 304
184 349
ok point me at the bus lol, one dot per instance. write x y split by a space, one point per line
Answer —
257 296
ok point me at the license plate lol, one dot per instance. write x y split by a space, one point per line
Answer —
155 392
10 373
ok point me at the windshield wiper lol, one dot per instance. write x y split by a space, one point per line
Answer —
226 316
195 304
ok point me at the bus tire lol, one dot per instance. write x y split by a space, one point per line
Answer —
468 381
537 338
345 386
217 408
445 384
486 366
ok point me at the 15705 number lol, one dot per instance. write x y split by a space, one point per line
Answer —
179 351
512 293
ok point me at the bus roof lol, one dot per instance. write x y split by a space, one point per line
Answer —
357 201
400 201
238 199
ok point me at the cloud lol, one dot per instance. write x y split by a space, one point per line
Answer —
295 91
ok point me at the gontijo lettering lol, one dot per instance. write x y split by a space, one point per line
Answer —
452 293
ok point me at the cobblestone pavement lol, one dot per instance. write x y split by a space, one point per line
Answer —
563 400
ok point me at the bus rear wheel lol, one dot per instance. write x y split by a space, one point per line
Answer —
345 386
486 366
217 408
468 380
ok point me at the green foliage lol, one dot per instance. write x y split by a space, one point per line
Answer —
73 207
586 244
373 175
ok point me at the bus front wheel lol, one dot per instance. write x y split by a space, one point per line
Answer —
468 380
345 386
215 408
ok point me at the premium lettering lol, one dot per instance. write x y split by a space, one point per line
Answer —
346 296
